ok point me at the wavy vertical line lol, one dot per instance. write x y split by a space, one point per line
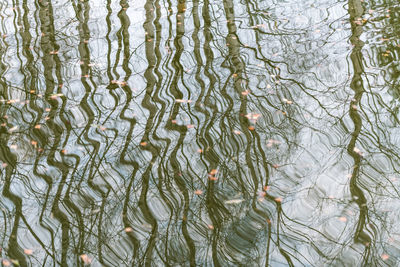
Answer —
30 78
151 84
50 62
356 10
160 153
82 11
238 71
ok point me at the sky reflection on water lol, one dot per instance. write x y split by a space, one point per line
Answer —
199 133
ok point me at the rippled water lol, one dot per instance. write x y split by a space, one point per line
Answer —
200 133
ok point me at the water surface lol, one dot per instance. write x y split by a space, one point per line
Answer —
199 133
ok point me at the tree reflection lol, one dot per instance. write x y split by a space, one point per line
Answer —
197 133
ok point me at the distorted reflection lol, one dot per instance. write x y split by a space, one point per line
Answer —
199 133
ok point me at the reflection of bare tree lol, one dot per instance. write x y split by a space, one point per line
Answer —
356 11
182 136
383 53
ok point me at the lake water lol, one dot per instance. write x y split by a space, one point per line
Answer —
199 133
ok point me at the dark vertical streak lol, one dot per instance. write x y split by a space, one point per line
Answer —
356 10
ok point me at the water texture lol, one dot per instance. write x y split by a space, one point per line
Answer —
199 133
